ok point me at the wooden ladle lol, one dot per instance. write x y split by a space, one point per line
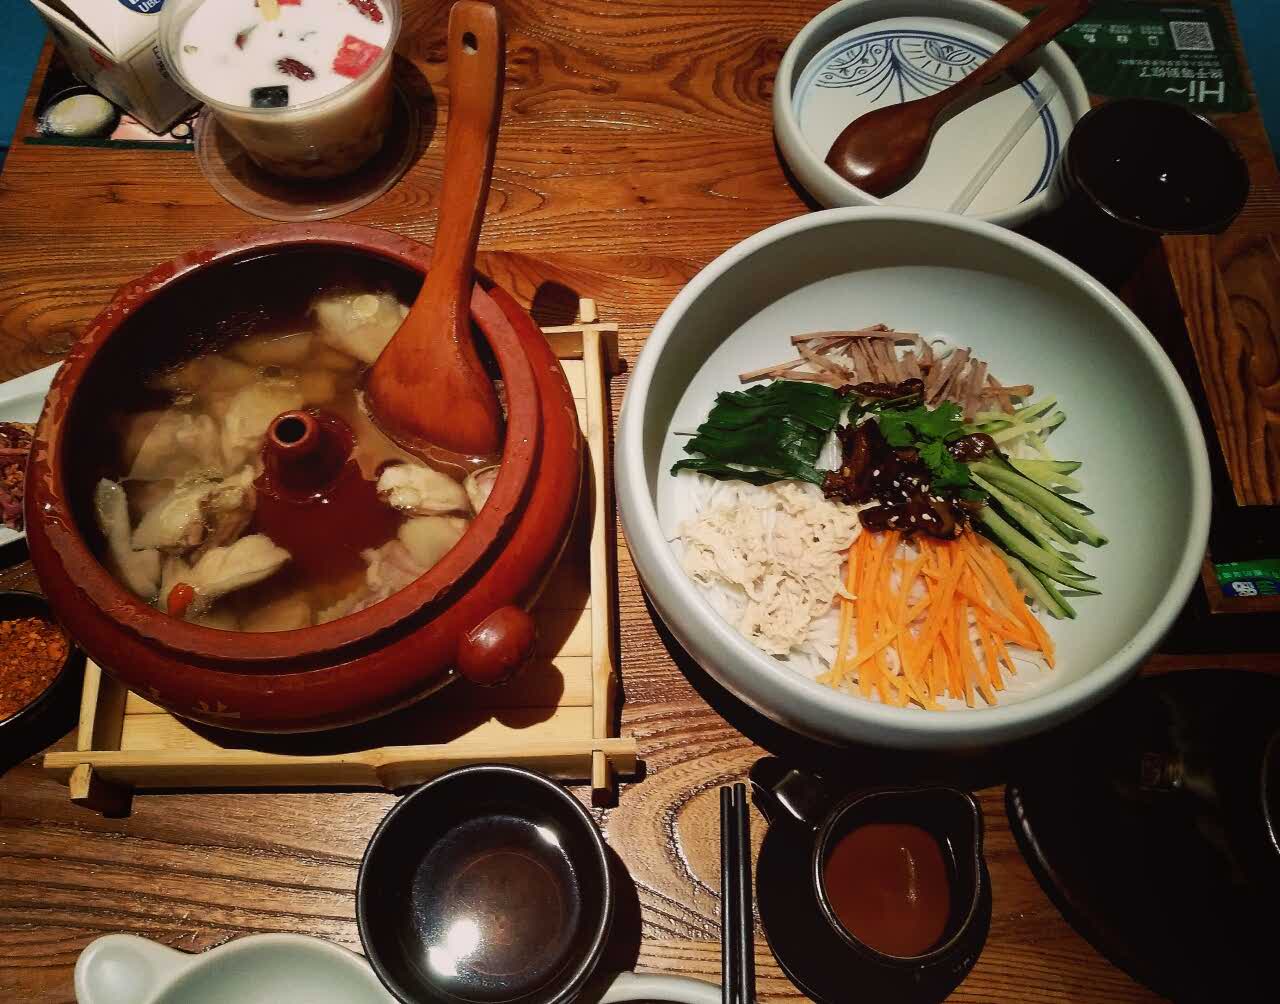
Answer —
428 387
881 149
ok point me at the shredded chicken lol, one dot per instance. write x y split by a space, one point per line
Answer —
782 547
879 354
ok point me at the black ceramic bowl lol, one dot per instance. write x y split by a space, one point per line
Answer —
1154 167
488 884
52 714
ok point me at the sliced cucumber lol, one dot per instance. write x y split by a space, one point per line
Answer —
1040 425
1053 602
1066 529
1034 409
1053 421
1059 600
1050 474
1049 503
1022 547
1041 530
1075 504
1037 444
1080 587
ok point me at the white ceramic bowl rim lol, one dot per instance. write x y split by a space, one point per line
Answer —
682 594
1054 56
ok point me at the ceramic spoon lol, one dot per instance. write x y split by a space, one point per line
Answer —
428 388
881 149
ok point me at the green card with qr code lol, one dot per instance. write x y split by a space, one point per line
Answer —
1174 52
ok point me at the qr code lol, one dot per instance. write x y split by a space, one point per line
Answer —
1191 36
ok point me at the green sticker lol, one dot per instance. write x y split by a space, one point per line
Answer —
1250 578
1173 52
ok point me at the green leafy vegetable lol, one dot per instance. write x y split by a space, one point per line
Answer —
928 431
778 428
910 426
945 471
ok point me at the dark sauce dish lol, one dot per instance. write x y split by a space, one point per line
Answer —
488 884
804 915
52 713
1154 167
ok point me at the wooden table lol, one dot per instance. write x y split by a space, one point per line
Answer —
636 146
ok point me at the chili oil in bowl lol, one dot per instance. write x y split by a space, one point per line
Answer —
40 674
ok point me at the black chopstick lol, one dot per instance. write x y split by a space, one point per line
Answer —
745 924
728 898
737 924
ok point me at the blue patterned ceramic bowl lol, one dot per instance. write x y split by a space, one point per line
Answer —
864 54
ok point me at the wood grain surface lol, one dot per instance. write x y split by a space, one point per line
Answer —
636 146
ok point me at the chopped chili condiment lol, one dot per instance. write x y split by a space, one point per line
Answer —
15 441
32 652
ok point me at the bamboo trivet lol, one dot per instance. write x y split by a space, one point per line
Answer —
558 717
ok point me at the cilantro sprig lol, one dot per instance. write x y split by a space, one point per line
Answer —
929 431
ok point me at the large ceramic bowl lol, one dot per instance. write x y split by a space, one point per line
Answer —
1034 317
862 54
364 664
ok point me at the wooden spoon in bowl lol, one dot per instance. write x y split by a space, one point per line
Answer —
428 387
879 150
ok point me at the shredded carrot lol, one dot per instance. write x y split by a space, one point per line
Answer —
929 619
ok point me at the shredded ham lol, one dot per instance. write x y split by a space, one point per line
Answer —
878 354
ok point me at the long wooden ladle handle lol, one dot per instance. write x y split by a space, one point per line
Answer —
428 389
1041 30
476 48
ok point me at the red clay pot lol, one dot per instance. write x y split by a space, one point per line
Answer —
360 666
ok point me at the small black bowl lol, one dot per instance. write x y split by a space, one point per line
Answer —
488 884
1154 167
53 713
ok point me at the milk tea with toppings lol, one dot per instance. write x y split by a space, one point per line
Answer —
304 85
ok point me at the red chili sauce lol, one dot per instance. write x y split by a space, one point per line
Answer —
888 884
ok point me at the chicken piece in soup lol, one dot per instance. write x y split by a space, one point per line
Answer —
198 519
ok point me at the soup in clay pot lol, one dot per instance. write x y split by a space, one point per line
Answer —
219 522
